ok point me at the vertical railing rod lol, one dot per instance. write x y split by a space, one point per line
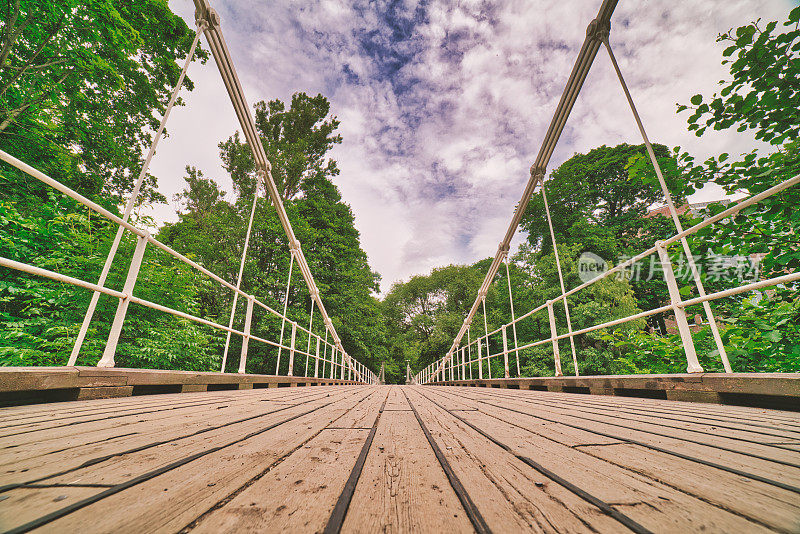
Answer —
513 316
122 307
553 337
246 338
285 308
560 278
692 365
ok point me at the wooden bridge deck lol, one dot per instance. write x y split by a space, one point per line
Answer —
397 459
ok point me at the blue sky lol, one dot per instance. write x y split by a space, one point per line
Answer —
443 104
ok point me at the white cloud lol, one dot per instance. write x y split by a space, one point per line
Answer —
443 105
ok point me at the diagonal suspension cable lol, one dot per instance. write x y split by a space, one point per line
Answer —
222 57
87 319
239 280
580 70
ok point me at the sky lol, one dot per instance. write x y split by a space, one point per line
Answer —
443 104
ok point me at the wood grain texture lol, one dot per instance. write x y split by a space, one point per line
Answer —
278 459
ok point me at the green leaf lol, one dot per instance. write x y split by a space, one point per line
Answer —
696 100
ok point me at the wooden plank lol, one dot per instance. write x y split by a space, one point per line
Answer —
298 495
39 412
742 428
133 464
402 487
741 413
364 415
669 439
43 441
25 504
771 506
59 456
767 504
510 495
656 506
23 435
173 498
69 410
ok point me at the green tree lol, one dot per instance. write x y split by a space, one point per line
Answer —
40 318
81 86
297 140
599 202
761 97
594 200
424 314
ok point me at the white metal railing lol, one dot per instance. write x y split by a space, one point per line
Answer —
338 363
459 362
329 358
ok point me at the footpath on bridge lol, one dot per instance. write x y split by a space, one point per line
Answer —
399 459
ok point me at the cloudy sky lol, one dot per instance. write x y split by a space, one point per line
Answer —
444 103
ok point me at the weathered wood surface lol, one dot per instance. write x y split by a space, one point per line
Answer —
397 459
771 390
21 384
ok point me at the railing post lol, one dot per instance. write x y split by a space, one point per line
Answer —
122 308
513 316
560 278
310 324
333 357
87 319
553 335
285 308
692 365
316 360
246 339
505 352
488 358
341 373
291 350
469 352
239 278
480 361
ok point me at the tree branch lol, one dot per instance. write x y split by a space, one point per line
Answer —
29 63
16 113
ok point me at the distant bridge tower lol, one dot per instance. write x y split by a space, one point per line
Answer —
409 376
382 376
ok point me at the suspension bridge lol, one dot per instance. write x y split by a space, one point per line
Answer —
108 449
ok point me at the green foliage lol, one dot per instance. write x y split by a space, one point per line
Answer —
40 318
764 335
296 142
760 336
597 201
214 230
762 96
424 314
82 86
